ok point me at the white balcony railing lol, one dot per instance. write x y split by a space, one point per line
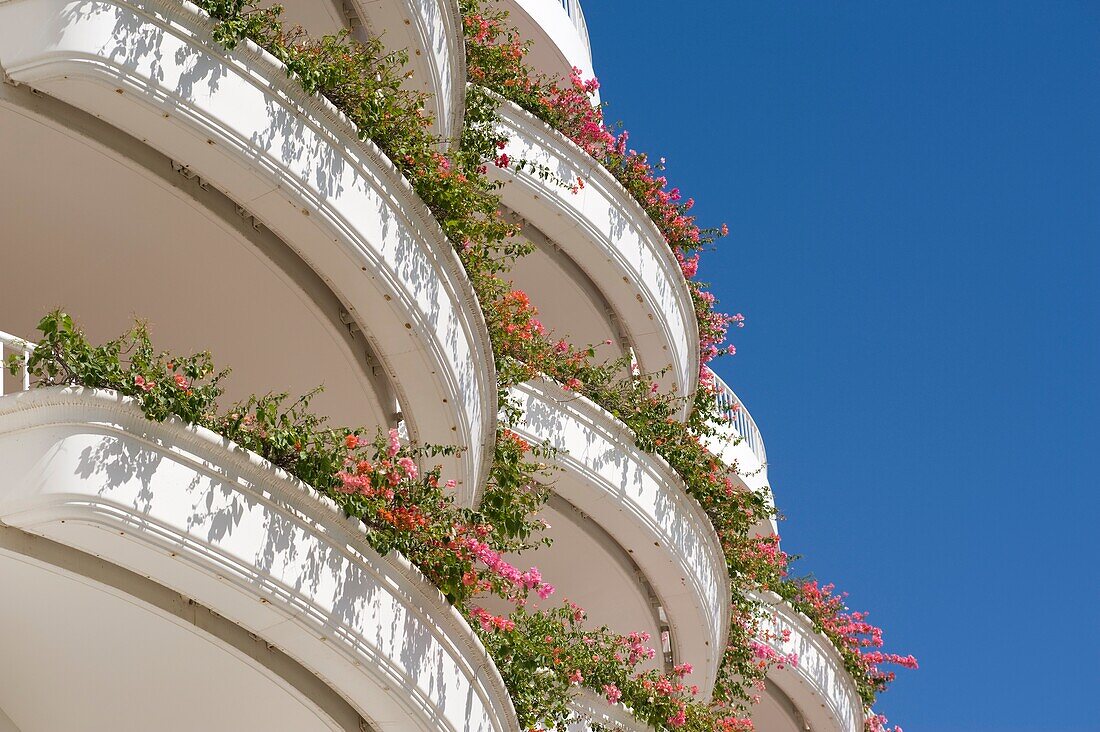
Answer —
573 10
729 405
12 346
610 238
218 524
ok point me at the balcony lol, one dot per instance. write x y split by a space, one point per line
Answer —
238 214
816 693
606 235
739 443
559 33
651 558
107 512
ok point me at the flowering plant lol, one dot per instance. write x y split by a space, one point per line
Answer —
378 480
495 59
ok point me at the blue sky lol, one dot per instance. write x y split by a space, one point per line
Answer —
913 194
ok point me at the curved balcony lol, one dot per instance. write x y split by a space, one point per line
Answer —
175 246
815 693
608 235
642 505
559 34
739 443
217 524
292 162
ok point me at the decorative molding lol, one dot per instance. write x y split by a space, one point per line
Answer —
640 502
819 684
217 523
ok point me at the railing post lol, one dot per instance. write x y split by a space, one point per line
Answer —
10 343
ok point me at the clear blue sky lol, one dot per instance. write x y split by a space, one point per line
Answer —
913 194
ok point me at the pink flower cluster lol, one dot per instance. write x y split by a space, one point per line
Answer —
879 723
520 582
489 622
571 109
766 656
635 645
851 630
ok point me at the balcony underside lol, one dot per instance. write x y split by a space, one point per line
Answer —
570 305
670 556
150 69
610 238
89 646
102 226
203 518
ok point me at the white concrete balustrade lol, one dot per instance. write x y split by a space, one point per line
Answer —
818 685
205 518
151 69
595 713
739 443
613 241
643 505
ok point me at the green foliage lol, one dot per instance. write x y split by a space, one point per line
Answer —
412 514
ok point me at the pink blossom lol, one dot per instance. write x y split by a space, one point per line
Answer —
409 467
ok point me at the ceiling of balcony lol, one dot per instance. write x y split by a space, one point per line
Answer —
316 17
587 567
57 632
568 304
776 713
111 236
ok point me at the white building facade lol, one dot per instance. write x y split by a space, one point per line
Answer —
156 576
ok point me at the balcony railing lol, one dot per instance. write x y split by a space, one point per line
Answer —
573 10
730 406
9 346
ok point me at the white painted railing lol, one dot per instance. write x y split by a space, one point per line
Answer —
10 345
730 406
573 10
